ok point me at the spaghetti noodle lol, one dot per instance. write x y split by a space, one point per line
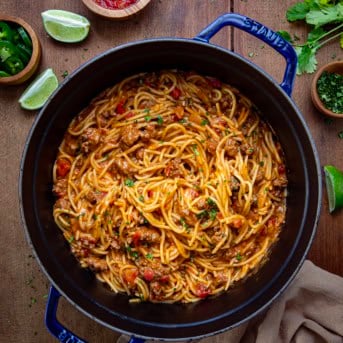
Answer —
170 187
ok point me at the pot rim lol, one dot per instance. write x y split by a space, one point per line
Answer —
276 293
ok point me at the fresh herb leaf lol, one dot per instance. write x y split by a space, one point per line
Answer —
285 35
149 256
297 12
204 122
147 118
340 135
316 13
307 62
325 15
141 198
315 34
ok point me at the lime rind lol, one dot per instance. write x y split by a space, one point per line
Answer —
39 91
334 187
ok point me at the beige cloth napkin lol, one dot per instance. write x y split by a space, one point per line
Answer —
309 311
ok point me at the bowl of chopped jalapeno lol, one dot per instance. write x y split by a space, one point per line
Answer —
20 50
327 89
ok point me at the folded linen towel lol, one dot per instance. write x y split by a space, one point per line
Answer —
309 311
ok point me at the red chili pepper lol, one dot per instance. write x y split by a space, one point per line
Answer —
202 291
175 93
148 274
63 167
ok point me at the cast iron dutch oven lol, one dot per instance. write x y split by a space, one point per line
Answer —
176 321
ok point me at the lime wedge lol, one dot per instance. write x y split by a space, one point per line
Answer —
38 92
334 187
65 26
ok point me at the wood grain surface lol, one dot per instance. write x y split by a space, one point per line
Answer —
23 287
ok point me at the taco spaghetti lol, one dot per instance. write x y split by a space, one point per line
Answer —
170 187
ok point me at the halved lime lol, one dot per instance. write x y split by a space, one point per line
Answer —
334 187
65 26
38 92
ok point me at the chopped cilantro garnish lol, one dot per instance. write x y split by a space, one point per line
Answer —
71 239
195 150
129 182
149 256
238 257
141 198
159 120
213 213
135 254
204 122
147 118
211 202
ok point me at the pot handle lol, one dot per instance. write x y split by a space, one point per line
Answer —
57 329
261 32
54 326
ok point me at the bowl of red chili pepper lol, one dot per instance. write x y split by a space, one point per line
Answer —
116 9
20 50
327 89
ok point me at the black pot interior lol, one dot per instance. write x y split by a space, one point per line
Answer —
175 321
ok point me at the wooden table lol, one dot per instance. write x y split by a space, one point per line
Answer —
23 286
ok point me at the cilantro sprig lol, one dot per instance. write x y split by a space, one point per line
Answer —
325 18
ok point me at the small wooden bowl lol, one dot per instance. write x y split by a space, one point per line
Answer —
115 14
333 67
33 63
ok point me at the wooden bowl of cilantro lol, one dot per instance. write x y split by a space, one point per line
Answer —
327 89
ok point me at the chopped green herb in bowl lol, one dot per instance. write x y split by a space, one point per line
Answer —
327 89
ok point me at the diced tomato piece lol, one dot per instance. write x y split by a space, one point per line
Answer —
282 169
175 93
164 278
150 193
136 238
148 274
202 291
237 223
129 115
215 83
192 193
120 109
168 170
63 167
129 276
